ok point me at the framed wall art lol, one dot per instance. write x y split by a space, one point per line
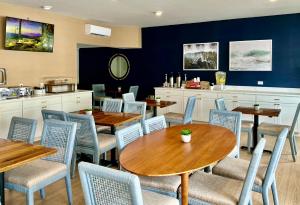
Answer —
255 55
201 56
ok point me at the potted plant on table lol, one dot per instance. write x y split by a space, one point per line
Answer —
186 135
157 99
88 111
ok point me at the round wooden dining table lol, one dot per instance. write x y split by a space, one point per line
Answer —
162 153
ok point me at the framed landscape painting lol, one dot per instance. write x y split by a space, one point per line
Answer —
201 56
250 55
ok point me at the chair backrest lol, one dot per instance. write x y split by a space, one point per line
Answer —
128 135
189 109
61 136
102 185
275 158
112 105
220 104
155 123
228 119
54 114
22 129
98 90
136 107
86 130
245 196
294 123
128 97
134 89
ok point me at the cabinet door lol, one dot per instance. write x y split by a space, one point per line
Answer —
206 105
178 107
84 101
7 111
287 114
70 103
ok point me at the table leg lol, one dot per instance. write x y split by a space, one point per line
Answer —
154 111
113 151
2 199
254 134
184 188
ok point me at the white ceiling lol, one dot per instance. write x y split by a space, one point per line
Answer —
139 12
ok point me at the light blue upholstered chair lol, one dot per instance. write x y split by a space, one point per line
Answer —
87 140
134 89
22 129
213 189
110 105
54 114
155 123
265 177
163 185
137 108
247 125
230 120
107 186
128 97
275 129
99 94
185 118
40 173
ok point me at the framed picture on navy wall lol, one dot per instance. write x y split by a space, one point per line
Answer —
201 56
254 55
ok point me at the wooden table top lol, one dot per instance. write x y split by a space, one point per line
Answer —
15 153
113 118
161 104
162 153
262 111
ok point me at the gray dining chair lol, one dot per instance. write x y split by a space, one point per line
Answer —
155 123
186 118
265 178
163 185
247 125
40 173
134 89
54 114
102 185
99 94
22 129
87 139
207 188
136 107
230 120
128 97
109 105
274 130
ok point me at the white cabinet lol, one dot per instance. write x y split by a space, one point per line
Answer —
171 95
75 102
7 111
32 109
207 103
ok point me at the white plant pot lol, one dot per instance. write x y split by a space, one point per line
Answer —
157 100
186 138
89 112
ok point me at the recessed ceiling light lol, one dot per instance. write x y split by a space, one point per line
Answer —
157 13
272 0
47 7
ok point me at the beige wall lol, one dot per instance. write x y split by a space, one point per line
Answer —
30 68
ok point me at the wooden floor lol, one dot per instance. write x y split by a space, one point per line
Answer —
288 183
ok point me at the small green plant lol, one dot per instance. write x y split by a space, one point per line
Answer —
88 109
186 131
157 98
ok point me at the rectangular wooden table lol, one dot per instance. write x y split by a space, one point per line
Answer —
162 104
14 154
270 112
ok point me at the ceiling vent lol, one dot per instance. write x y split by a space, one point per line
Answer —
97 30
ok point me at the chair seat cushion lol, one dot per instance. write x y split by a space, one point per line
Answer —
152 198
173 117
237 169
167 184
234 152
34 172
271 129
247 125
101 98
214 189
106 142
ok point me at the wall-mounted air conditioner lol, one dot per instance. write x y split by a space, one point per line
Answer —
97 30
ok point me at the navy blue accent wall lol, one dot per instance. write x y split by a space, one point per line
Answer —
162 53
